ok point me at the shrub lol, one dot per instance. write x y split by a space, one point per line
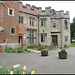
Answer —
29 50
63 50
28 46
39 48
10 48
7 50
65 46
26 49
44 50
20 50
43 47
13 51
39 45
34 48
49 47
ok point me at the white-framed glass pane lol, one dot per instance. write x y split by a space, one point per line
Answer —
41 22
44 22
26 40
27 33
45 37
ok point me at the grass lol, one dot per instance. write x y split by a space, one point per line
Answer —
72 45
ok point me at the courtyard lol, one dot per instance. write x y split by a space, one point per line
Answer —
42 64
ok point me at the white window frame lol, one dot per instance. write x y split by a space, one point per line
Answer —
12 12
32 20
66 38
44 20
44 37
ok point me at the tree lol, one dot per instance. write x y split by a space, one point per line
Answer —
73 29
74 20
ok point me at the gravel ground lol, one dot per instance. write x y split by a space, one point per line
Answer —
42 65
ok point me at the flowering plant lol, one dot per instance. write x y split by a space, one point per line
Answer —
14 70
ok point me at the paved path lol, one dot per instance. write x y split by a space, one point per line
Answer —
35 51
42 65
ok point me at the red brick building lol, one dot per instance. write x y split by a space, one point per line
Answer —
28 25
18 24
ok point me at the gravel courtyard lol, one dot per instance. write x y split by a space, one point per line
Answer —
42 65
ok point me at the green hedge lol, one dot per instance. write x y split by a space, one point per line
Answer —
26 49
20 50
10 50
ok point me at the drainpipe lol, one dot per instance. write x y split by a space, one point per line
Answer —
38 29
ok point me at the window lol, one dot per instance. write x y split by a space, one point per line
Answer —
31 21
12 30
54 24
31 37
27 33
34 33
43 37
30 33
43 22
20 19
66 39
24 6
66 27
10 12
30 40
27 40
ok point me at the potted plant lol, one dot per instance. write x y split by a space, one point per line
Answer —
44 52
63 54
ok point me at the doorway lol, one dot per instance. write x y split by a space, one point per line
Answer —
20 41
54 40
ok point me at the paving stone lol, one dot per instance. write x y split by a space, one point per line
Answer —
42 65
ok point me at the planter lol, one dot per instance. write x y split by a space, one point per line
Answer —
44 53
62 55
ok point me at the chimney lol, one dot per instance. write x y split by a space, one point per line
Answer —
28 6
47 8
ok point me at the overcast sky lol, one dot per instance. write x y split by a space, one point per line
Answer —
57 5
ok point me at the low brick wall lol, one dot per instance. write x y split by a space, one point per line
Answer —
13 45
7 45
2 48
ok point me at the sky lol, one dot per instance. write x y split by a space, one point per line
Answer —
56 5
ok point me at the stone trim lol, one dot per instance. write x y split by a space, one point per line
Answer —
2 3
28 13
55 32
59 18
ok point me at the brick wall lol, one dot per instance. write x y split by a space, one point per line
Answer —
26 13
11 21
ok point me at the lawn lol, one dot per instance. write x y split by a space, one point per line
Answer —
72 45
